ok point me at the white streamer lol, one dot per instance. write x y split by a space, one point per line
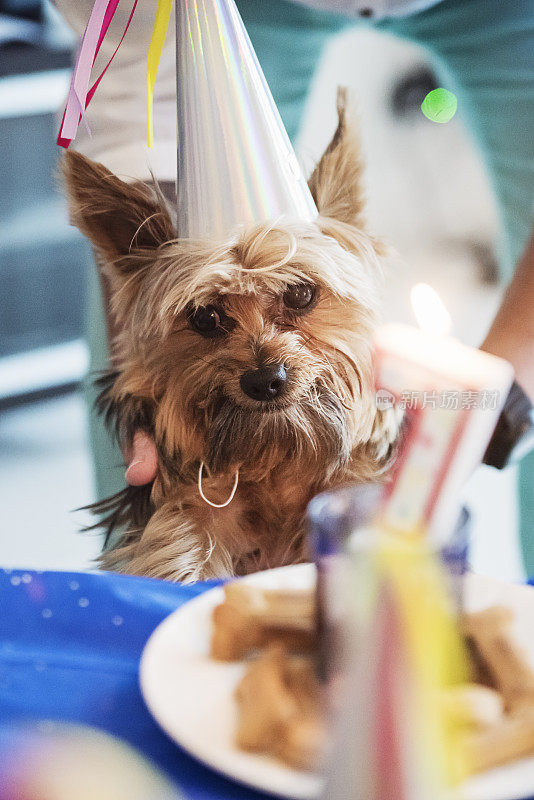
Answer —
203 496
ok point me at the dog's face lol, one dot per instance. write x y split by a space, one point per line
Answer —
258 350
248 352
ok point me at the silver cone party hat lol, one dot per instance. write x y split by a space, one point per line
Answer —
236 164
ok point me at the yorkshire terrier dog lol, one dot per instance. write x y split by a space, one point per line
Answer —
249 362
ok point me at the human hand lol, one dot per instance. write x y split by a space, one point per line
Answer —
142 460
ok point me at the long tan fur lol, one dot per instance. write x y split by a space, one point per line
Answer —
185 389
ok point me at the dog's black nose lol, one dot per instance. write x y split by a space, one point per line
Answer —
264 384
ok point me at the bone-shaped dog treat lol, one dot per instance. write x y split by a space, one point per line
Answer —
234 633
266 704
278 703
489 633
251 617
292 608
511 738
279 698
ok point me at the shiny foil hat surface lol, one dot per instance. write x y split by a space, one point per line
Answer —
236 164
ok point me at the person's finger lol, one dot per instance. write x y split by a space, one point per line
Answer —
143 460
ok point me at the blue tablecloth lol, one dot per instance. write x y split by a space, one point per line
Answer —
70 645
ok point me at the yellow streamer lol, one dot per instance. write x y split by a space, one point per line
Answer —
161 23
438 654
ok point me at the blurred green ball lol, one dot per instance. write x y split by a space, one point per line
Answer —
439 105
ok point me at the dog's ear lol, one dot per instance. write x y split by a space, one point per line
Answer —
336 182
119 219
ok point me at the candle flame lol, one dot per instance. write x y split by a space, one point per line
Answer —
429 310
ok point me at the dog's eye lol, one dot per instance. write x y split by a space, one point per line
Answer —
208 320
299 296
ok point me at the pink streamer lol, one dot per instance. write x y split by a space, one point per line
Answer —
110 10
82 71
64 139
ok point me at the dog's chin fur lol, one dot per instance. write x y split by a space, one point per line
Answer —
184 389
313 430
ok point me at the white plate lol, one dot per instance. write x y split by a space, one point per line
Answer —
191 696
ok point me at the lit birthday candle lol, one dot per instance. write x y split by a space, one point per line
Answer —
452 395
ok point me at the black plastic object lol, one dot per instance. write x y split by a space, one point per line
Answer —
513 436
